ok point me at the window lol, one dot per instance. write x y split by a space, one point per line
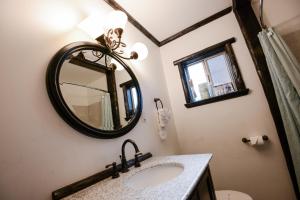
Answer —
130 99
211 75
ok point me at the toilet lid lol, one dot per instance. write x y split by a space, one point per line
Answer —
232 195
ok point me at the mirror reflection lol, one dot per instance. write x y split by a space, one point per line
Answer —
98 90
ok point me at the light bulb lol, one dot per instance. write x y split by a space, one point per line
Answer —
119 66
141 49
116 19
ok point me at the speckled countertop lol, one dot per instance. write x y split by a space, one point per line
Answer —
178 188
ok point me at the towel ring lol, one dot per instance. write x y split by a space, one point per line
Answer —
156 100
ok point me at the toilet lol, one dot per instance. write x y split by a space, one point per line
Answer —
232 195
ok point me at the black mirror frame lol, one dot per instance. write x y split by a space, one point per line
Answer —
57 100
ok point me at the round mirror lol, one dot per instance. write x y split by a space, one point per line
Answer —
93 90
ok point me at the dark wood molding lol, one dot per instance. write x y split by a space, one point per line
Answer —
184 83
235 70
79 185
112 90
127 83
81 61
133 21
140 27
203 51
197 25
223 97
250 28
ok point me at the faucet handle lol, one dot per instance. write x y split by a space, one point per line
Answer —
136 159
115 169
138 153
124 164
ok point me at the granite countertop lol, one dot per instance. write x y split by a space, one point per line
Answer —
178 188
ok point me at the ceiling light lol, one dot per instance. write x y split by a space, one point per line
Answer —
109 34
141 50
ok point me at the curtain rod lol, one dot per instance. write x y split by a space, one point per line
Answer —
93 88
261 14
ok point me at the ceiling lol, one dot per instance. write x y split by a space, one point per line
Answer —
79 75
164 18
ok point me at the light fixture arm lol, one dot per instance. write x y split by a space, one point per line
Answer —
113 41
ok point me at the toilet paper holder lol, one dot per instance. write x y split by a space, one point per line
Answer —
264 137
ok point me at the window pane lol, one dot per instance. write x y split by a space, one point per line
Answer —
198 82
129 100
221 79
134 97
219 70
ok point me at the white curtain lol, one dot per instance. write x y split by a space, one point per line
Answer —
285 74
106 113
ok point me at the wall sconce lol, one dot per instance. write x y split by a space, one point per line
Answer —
110 34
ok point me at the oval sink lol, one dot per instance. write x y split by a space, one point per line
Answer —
155 175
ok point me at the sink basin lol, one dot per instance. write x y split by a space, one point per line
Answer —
155 175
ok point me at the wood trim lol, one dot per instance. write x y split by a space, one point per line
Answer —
82 62
133 21
223 97
79 185
250 28
184 83
197 25
112 90
203 51
235 70
139 26
127 83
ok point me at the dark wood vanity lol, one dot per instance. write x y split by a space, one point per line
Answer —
204 190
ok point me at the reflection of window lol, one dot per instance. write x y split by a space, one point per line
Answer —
130 99
211 75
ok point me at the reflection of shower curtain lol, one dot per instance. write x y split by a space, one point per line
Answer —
107 120
285 74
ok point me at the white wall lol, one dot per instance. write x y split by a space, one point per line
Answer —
39 152
287 23
278 12
219 127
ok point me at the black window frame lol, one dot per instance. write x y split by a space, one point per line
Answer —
128 99
206 53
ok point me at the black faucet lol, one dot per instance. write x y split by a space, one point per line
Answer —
136 156
115 173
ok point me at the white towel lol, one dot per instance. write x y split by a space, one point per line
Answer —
163 117
162 133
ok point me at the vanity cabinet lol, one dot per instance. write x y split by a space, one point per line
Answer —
193 169
204 190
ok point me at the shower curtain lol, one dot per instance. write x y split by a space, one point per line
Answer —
285 74
106 114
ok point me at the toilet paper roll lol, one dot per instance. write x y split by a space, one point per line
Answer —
260 140
256 141
253 140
